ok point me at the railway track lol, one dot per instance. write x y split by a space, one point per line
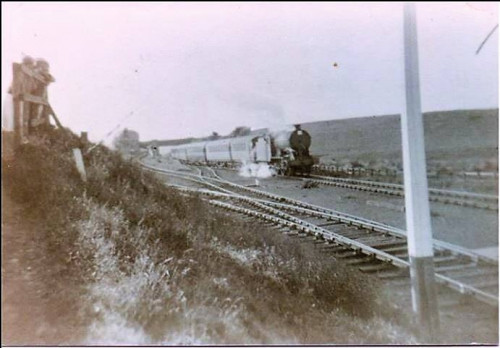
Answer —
462 198
370 246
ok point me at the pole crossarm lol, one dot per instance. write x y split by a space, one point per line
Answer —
34 99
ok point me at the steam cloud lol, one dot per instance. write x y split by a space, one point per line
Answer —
256 170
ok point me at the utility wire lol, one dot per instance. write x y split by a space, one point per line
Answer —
159 82
118 126
487 37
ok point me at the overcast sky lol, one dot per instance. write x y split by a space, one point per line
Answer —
171 70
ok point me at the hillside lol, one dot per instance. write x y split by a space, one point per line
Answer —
461 139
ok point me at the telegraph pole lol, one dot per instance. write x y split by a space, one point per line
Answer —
418 222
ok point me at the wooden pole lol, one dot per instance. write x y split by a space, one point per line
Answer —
17 106
17 121
58 123
84 137
418 222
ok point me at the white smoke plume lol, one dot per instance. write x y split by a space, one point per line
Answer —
256 170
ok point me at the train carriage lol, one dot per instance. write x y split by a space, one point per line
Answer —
218 151
179 153
241 148
196 152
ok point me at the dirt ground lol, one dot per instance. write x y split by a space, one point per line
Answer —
37 308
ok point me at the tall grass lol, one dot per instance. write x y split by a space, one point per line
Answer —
161 268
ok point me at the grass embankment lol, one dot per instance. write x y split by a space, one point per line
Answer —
158 267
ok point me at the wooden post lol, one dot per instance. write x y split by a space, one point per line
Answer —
77 154
58 123
17 107
84 137
418 224
17 121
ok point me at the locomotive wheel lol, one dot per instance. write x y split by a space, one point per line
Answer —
290 171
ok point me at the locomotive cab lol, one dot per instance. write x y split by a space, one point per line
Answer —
261 149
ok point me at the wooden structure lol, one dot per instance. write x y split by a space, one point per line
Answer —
30 97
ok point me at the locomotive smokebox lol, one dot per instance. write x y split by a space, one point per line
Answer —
299 140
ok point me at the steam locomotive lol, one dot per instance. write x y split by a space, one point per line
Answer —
285 151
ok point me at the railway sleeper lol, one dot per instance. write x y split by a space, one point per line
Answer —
379 241
313 221
355 236
317 237
446 260
304 234
388 244
308 239
399 253
472 273
403 256
331 245
334 250
394 246
350 233
447 268
486 284
326 251
375 240
361 260
444 255
347 253
394 273
376 267
356 225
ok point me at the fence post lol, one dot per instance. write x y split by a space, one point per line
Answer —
77 154
84 137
